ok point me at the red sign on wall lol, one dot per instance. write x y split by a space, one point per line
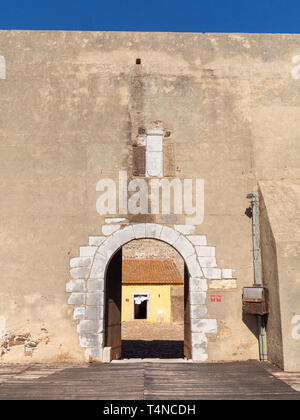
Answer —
215 298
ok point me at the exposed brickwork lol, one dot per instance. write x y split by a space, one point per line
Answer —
150 271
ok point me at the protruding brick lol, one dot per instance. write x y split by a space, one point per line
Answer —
87 251
109 229
91 340
198 239
94 354
197 298
198 311
227 273
207 262
96 240
185 229
198 284
94 312
75 286
205 251
76 299
95 285
212 273
81 272
81 262
95 299
87 326
79 312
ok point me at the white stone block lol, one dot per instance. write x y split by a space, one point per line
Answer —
87 251
198 284
207 262
199 340
94 354
193 266
155 132
205 251
94 312
198 239
96 240
169 235
79 313
125 235
81 262
77 299
91 340
227 273
110 229
184 247
116 220
212 273
95 299
199 354
198 311
224 284
205 326
99 266
80 273
87 326
154 164
95 285
197 298
154 143
153 230
185 229
75 286
139 230
106 355
108 248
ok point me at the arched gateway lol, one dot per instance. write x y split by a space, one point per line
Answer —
87 287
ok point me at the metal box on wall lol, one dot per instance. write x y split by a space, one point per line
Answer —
255 300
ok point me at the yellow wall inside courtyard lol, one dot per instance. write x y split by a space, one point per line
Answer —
159 300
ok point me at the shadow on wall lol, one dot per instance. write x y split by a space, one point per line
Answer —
251 322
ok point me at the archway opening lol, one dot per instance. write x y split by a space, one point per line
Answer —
146 302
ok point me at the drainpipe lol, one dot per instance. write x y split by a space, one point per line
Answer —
257 275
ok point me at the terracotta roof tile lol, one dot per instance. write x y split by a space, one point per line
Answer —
152 271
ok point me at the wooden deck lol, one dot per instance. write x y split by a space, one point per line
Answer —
144 381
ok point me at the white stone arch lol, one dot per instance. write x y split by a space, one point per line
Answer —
88 271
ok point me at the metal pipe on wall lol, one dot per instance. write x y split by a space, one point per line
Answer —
257 275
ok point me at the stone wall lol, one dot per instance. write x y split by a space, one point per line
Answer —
73 107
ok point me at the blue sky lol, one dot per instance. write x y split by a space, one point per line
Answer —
274 16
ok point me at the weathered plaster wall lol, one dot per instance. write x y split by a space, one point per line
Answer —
281 201
68 103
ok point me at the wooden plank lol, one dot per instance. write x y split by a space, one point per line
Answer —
136 381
